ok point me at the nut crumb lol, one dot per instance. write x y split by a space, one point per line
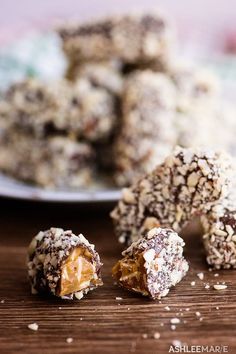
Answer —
33 326
2 301
193 283
173 327
119 298
175 320
176 343
69 340
217 308
220 286
144 335
167 308
156 335
216 275
198 314
59 308
200 275
207 286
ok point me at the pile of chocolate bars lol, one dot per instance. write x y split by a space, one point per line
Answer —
125 102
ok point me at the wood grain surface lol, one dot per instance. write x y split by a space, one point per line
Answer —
99 323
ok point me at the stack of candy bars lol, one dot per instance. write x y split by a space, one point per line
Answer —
125 102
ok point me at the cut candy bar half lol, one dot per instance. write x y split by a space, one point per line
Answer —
63 264
153 264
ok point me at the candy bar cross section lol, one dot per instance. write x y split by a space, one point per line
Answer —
63 264
153 264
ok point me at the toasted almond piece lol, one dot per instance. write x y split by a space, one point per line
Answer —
33 326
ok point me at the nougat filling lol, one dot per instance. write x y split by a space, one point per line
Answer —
78 272
130 272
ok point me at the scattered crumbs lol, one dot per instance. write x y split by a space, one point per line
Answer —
128 308
187 309
198 314
33 326
144 335
217 308
176 343
207 286
2 301
216 275
181 314
173 327
192 283
175 320
220 286
156 335
69 340
161 324
160 302
177 313
200 276
210 269
167 308
180 310
118 304
200 319
185 321
81 319
59 308
119 298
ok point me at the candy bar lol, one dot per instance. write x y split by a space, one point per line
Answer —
147 130
153 264
129 38
56 162
63 264
188 184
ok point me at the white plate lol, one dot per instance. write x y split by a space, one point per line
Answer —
14 189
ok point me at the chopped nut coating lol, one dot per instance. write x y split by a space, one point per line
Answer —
189 183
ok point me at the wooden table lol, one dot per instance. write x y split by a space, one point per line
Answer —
99 323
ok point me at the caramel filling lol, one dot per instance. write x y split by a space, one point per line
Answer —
131 274
77 272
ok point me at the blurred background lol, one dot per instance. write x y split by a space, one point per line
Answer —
205 27
211 23
29 46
